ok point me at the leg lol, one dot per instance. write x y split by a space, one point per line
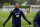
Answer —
18 25
27 12
13 25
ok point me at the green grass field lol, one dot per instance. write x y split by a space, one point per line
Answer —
4 15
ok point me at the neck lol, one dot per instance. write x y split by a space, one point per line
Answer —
16 8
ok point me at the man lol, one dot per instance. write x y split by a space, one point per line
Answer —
28 10
16 14
36 20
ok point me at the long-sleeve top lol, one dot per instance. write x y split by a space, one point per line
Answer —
16 16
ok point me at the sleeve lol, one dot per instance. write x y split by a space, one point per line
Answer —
8 17
36 20
24 16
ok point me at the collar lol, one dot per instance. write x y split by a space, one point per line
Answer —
16 8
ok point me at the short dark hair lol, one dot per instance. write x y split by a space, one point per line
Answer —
15 3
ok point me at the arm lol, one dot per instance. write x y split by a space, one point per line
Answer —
36 20
25 17
8 18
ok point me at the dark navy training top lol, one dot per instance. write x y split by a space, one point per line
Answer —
16 16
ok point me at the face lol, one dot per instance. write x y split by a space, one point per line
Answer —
16 5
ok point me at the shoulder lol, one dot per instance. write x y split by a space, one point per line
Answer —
38 11
20 9
12 10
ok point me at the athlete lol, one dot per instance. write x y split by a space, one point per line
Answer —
28 10
36 20
16 16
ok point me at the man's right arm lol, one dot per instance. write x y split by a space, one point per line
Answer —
8 18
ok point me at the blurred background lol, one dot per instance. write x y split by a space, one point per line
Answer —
29 7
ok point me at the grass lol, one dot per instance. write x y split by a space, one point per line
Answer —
4 15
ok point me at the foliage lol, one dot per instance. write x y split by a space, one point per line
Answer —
6 4
0 6
32 2
24 6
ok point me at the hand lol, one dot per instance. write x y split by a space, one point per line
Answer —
29 23
4 25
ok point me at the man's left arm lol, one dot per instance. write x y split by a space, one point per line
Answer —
25 18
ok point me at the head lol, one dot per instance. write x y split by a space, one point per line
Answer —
16 5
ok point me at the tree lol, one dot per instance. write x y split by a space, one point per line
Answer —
32 2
